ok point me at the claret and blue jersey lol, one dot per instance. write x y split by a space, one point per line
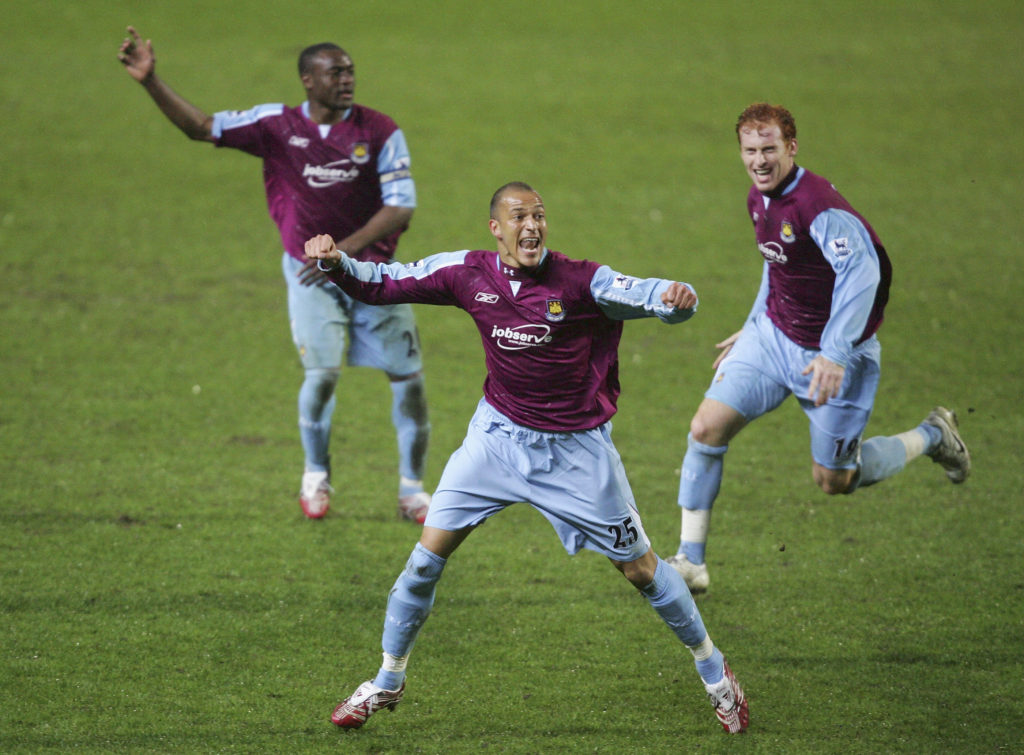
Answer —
826 274
554 326
324 179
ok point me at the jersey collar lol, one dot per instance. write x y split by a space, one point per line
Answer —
305 112
787 184
518 273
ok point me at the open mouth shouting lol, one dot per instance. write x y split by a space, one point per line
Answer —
529 244
519 223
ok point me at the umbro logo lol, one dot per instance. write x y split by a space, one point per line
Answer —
485 297
298 141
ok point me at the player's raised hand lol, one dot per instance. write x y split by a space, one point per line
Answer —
137 56
826 380
680 296
322 247
726 347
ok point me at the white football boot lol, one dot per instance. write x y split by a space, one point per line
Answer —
696 575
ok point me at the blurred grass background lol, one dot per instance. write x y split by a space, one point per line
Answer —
160 589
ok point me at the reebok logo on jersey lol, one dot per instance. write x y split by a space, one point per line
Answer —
485 297
521 336
298 141
772 251
319 176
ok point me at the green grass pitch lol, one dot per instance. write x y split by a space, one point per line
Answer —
160 590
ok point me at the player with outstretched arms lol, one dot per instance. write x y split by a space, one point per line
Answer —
541 434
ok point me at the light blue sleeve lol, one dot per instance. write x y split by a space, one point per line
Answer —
760 301
376 272
229 119
393 166
847 246
623 297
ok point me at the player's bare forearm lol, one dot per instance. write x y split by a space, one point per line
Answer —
192 121
382 224
139 61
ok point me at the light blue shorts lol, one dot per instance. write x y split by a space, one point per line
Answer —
383 337
764 367
576 480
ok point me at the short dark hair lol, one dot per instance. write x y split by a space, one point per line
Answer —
516 185
762 112
307 55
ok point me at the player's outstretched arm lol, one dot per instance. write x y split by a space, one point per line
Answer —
138 59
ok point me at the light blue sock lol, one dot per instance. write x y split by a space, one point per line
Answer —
670 597
316 405
409 604
712 669
883 456
880 457
699 481
933 436
412 427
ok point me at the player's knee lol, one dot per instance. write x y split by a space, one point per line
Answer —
412 376
422 572
411 395
715 424
323 380
835 481
316 398
640 573
703 431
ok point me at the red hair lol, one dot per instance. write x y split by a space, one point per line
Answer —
761 113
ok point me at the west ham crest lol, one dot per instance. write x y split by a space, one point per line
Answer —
360 153
555 310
